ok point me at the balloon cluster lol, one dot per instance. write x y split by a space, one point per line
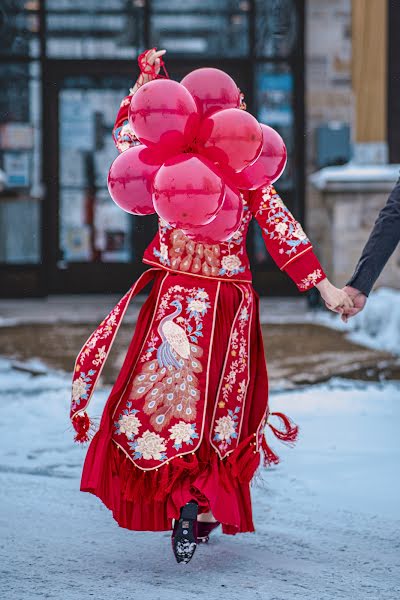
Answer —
197 150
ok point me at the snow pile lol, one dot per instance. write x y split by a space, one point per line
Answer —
327 518
377 326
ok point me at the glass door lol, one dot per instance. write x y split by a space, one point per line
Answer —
97 246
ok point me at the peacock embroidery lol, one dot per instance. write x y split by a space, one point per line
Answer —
167 386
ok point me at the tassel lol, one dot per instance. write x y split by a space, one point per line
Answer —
270 458
84 428
291 431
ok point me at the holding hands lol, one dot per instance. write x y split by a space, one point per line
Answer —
335 299
359 301
347 301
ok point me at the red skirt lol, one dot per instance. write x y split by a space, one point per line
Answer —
149 500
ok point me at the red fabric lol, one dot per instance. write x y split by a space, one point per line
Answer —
305 270
149 500
285 239
93 355
143 500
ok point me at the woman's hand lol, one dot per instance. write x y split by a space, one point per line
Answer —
152 58
335 299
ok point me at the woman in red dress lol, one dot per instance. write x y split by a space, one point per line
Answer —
184 426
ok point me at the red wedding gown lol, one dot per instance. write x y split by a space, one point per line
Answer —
186 416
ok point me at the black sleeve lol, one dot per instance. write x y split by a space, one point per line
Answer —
380 246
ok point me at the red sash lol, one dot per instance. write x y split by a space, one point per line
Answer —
94 352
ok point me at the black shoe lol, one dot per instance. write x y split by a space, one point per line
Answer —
184 535
204 528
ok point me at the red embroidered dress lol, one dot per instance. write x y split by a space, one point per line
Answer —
186 416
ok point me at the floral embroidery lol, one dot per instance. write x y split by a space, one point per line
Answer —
150 348
280 223
100 356
167 380
235 377
198 306
183 433
225 428
311 279
149 446
162 254
103 332
128 423
81 387
160 412
231 264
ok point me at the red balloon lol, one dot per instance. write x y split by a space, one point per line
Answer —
268 167
187 191
225 224
232 137
212 89
130 179
164 112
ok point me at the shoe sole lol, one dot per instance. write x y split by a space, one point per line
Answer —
184 543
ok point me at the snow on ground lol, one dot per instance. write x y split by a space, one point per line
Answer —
377 326
327 517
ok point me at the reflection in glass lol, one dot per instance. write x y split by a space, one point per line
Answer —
94 29
274 85
20 163
276 28
275 107
92 227
19 28
201 28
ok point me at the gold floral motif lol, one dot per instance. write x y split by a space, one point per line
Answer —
311 279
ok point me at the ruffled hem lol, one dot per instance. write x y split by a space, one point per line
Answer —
149 500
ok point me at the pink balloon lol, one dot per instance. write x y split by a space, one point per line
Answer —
232 138
268 167
164 112
130 180
225 224
212 89
187 191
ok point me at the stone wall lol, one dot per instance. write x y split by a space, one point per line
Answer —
351 202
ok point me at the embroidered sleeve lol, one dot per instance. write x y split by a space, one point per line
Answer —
123 135
285 239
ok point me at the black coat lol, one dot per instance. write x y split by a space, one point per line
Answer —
380 245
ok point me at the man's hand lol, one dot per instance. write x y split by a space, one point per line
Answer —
359 301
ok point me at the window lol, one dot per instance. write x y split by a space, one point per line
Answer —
21 190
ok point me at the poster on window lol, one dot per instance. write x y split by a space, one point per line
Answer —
275 98
16 166
112 230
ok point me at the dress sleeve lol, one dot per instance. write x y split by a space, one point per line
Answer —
122 133
285 239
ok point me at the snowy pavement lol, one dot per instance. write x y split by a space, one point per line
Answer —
327 517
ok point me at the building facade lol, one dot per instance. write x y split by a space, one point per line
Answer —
64 67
